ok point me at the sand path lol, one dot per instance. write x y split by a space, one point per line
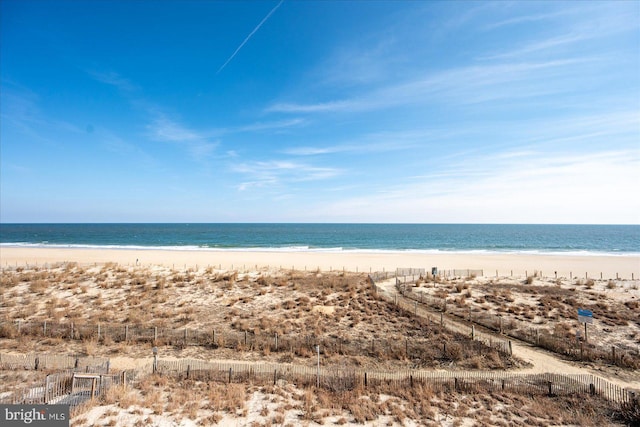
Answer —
541 361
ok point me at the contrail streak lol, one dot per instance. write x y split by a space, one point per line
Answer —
250 34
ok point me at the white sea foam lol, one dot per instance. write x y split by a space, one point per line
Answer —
302 248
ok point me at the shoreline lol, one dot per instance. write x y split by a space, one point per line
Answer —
327 250
492 264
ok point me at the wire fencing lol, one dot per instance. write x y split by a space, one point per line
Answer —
541 337
75 388
42 361
341 378
393 346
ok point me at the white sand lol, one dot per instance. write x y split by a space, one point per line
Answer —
503 264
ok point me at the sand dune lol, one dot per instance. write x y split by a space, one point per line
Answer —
501 264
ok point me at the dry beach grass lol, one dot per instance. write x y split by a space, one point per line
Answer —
549 305
294 305
318 304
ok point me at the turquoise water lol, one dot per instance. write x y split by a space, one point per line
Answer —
490 238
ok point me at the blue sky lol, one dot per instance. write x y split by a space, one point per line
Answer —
320 111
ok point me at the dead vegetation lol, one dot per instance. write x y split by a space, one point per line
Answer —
167 399
302 309
548 304
299 304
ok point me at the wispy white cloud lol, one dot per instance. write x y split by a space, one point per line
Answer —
270 125
375 142
556 58
466 85
535 188
160 126
200 143
321 107
544 45
566 28
114 79
532 17
164 129
120 146
582 130
281 172
250 35
21 108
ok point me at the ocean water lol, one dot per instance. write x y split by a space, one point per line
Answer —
622 240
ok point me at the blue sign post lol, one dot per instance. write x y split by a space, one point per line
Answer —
585 316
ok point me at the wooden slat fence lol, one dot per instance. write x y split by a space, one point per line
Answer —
73 388
393 347
38 361
517 329
345 378
69 388
540 337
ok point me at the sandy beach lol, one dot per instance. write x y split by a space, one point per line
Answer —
258 297
519 265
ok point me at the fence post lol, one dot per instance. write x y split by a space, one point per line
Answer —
98 331
550 384
46 389
473 332
275 376
592 389
510 349
229 375
93 387
613 354
124 379
276 341
44 329
365 379
188 370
